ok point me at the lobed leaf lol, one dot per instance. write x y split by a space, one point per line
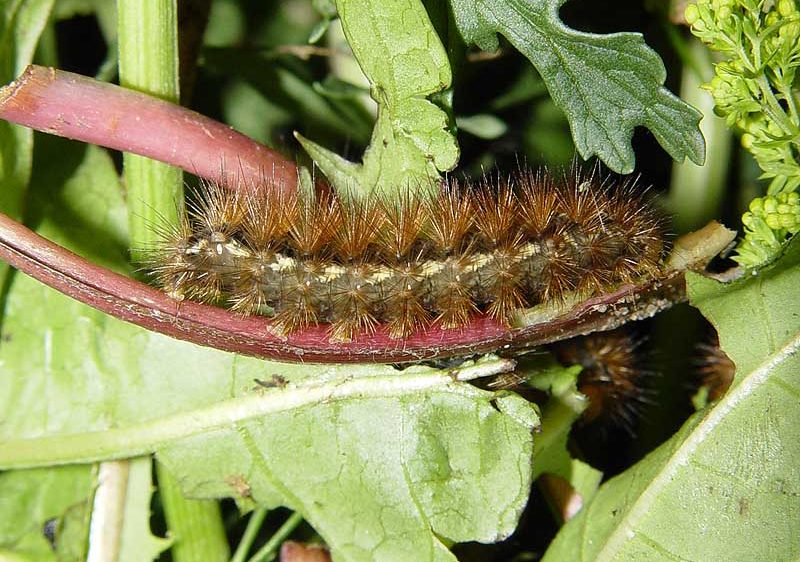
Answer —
605 84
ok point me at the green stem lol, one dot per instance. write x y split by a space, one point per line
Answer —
148 62
250 533
268 551
194 525
773 108
696 193
149 436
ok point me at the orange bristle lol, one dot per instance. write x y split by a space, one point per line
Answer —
360 221
269 218
316 222
217 209
299 307
450 218
403 226
405 311
612 377
539 204
412 260
643 232
256 285
497 215
504 281
583 204
556 272
172 262
354 299
453 301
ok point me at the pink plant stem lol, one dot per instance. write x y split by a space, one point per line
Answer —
74 106
80 108
152 309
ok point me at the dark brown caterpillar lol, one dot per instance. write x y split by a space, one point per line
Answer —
613 375
411 261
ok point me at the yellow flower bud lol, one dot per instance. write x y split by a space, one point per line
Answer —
786 7
692 14
773 221
789 222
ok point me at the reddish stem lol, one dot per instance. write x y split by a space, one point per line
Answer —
152 309
77 107
81 108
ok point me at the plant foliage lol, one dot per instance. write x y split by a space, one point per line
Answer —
384 464
754 88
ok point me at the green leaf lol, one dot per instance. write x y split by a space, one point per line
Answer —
21 24
606 84
382 476
57 499
727 485
137 543
76 199
412 458
482 125
398 50
561 411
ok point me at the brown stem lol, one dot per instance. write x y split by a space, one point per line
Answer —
74 106
149 308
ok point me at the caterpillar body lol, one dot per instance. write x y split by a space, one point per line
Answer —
614 377
409 262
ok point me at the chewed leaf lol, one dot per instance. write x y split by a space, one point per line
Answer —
411 457
380 478
725 487
398 50
606 84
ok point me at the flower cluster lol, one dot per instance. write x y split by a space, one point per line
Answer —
753 90
768 223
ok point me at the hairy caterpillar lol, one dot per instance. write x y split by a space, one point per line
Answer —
612 376
411 262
